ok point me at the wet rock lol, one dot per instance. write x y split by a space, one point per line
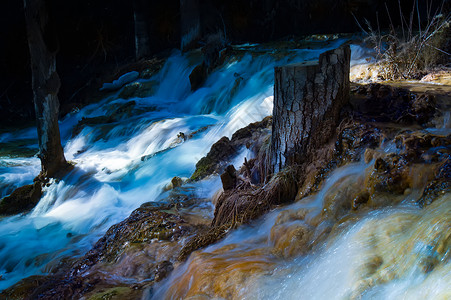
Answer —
176 182
228 178
423 108
138 89
22 199
355 138
131 256
439 186
339 201
384 103
203 239
220 151
24 288
198 76
381 102
424 147
90 122
291 239
114 293
390 175
123 110
118 112
214 53
142 226
252 136
360 199
163 269
121 81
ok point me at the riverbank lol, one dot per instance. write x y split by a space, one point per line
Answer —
390 158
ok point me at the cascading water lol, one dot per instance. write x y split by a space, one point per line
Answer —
123 163
397 252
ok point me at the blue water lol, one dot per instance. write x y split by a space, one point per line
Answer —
121 165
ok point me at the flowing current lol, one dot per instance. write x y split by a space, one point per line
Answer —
124 163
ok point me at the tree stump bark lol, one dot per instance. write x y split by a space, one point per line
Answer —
142 37
46 83
308 98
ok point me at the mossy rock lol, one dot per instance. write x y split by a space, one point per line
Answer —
150 222
113 293
138 90
23 288
18 148
223 150
21 200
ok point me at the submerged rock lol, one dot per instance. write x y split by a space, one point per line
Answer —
121 81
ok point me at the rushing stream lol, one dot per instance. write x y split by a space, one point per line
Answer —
126 162
394 253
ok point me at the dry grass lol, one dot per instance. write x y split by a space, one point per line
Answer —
415 47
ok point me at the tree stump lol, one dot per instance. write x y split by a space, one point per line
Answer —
308 98
43 45
141 22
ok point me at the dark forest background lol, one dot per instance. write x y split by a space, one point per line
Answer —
96 38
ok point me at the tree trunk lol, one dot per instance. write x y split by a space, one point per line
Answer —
308 98
190 23
46 83
140 15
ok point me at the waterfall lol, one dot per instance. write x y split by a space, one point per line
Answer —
391 253
129 149
126 162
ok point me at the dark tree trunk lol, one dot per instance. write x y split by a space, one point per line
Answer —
141 15
46 83
190 30
308 98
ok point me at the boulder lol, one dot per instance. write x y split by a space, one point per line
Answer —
21 200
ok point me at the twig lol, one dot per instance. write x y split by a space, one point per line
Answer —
419 20
358 24
402 22
438 49
411 20
389 17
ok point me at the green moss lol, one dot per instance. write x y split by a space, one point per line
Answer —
18 148
204 168
24 288
112 293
